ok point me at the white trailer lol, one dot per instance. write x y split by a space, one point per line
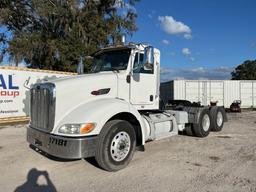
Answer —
206 91
113 110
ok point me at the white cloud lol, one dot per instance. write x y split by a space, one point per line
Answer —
198 70
186 52
166 42
179 78
188 36
151 14
171 53
192 58
165 70
199 73
173 27
124 7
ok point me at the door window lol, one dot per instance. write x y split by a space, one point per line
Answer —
138 65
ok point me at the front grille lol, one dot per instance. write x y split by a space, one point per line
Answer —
42 106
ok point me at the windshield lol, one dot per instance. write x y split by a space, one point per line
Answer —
111 60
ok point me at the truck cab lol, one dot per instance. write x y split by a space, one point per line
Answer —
113 110
132 76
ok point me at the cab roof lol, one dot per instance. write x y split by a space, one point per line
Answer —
118 47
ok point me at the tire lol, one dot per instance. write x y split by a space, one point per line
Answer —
189 130
116 145
217 119
203 127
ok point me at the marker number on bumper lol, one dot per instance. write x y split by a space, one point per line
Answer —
59 142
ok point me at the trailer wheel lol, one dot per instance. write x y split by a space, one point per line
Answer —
116 145
202 128
217 119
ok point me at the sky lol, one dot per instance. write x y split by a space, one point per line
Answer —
198 39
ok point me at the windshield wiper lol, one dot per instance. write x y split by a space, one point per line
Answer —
114 69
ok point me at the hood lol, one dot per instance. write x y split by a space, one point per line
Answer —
77 90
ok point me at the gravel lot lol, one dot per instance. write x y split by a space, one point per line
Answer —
224 161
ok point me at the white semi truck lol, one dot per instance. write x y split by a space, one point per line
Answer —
112 111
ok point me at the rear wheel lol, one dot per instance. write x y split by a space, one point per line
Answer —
202 128
217 119
116 145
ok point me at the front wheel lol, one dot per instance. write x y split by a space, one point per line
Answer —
116 145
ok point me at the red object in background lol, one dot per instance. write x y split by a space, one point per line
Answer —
235 106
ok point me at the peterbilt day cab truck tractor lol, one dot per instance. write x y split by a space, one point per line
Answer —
112 111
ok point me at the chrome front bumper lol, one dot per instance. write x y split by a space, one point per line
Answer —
62 147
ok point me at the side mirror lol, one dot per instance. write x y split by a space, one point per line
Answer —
148 60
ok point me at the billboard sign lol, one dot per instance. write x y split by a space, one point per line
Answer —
14 88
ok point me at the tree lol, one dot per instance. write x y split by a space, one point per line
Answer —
245 71
55 34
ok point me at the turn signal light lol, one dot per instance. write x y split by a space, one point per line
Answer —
87 128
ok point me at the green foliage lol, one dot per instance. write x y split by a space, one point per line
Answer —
54 34
245 71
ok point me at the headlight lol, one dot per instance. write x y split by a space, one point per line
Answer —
77 128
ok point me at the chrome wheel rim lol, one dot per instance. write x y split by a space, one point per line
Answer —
219 119
120 146
206 122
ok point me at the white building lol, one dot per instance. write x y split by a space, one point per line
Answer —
205 91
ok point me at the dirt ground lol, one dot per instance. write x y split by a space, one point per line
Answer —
224 161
